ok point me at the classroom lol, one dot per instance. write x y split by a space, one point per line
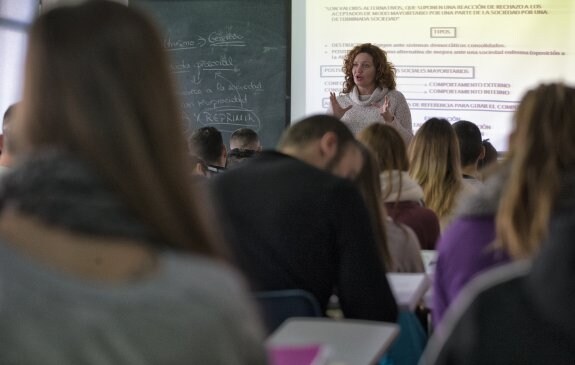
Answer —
287 182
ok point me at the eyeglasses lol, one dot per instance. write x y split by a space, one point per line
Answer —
215 169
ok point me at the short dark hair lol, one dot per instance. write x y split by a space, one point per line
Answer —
244 138
207 143
313 128
9 111
470 143
6 121
237 156
490 154
7 117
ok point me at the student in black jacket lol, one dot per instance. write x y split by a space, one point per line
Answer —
294 220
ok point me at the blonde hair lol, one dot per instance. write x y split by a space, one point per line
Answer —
542 148
434 159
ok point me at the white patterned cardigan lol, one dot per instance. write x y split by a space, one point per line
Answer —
364 113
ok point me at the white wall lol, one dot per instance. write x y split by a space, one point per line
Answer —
12 48
14 14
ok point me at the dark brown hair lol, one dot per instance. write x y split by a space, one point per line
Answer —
98 86
470 142
313 128
369 186
207 143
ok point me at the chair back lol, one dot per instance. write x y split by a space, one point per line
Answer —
278 305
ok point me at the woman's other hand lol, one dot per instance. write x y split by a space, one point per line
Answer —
338 111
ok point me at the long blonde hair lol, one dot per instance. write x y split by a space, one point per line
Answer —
434 165
542 148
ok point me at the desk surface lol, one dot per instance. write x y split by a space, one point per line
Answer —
408 289
351 342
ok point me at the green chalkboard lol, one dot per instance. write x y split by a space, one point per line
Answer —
231 60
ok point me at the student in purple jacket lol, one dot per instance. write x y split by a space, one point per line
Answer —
465 248
523 313
493 228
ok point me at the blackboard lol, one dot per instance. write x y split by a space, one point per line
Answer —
231 60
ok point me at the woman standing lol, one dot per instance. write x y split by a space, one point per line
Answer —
369 93
105 256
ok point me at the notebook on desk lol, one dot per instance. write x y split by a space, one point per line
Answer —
312 354
408 288
352 342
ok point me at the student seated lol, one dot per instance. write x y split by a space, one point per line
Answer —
471 151
106 256
434 165
244 144
403 197
207 145
294 220
491 155
398 244
522 313
6 146
245 139
490 230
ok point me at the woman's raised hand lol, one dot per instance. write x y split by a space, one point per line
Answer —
384 111
338 111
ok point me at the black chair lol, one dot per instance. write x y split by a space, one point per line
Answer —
278 305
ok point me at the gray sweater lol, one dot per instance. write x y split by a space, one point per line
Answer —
192 311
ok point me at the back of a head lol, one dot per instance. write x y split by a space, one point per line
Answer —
238 156
7 143
207 143
387 145
490 156
434 163
470 142
313 128
245 139
541 152
8 114
98 87
369 186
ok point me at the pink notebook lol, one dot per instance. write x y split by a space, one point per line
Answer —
312 354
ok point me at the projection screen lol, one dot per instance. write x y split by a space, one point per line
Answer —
460 60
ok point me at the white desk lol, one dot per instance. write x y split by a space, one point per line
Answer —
408 289
350 342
